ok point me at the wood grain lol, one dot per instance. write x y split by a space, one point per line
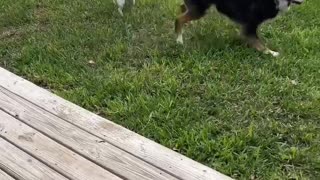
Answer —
23 166
80 141
5 176
129 141
48 151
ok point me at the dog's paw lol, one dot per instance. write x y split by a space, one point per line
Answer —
180 39
120 11
273 53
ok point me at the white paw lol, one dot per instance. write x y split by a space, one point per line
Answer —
180 39
273 53
120 11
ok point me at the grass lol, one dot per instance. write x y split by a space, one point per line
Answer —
245 114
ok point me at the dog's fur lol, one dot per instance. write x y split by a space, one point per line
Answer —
121 4
250 14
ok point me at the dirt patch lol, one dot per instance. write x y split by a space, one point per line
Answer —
40 24
41 14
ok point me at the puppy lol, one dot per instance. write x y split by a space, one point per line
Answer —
250 14
121 4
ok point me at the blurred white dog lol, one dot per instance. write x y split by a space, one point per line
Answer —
121 4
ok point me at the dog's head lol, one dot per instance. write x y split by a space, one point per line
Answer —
284 5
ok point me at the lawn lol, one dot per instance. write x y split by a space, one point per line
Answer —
214 100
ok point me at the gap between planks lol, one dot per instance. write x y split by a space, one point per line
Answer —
5 176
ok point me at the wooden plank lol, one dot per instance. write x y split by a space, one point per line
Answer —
131 142
5 176
23 166
48 151
80 141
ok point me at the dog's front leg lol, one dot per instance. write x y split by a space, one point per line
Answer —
121 4
256 43
252 38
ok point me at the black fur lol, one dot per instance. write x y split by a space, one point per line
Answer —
249 13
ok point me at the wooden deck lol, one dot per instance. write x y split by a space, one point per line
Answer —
46 137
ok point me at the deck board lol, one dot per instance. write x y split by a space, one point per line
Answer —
161 158
92 147
59 158
23 166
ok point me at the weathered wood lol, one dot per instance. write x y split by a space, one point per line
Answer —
23 166
82 142
131 142
5 176
48 151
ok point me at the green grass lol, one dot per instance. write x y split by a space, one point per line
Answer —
214 100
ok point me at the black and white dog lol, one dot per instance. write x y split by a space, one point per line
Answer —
248 13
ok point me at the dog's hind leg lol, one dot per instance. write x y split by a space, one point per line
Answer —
252 38
189 12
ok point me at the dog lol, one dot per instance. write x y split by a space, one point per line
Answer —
250 14
121 4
